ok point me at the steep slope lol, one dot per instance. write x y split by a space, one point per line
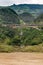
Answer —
26 17
7 15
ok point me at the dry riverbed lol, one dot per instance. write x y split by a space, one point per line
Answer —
21 58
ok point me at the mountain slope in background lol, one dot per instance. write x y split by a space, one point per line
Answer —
28 13
26 17
39 19
34 9
7 16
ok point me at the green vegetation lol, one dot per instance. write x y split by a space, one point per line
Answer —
27 17
8 16
15 38
39 20
29 13
20 39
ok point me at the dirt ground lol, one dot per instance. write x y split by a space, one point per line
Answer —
21 58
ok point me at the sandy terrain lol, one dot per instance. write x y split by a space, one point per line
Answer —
19 58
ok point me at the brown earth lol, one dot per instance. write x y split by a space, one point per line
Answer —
21 58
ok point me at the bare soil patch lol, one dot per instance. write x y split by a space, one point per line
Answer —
21 58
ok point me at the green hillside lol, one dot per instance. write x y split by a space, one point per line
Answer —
23 37
39 19
7 15
29 13
34 9
19 38
27 17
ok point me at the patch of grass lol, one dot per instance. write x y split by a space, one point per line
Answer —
35 48
6 48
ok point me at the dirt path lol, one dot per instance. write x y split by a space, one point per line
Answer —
19 58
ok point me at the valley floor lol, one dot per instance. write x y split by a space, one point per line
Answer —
21 58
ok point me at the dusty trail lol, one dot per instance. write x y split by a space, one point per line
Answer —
19 58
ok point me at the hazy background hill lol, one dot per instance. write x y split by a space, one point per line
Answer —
30 8
29 12
26 17
39 19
